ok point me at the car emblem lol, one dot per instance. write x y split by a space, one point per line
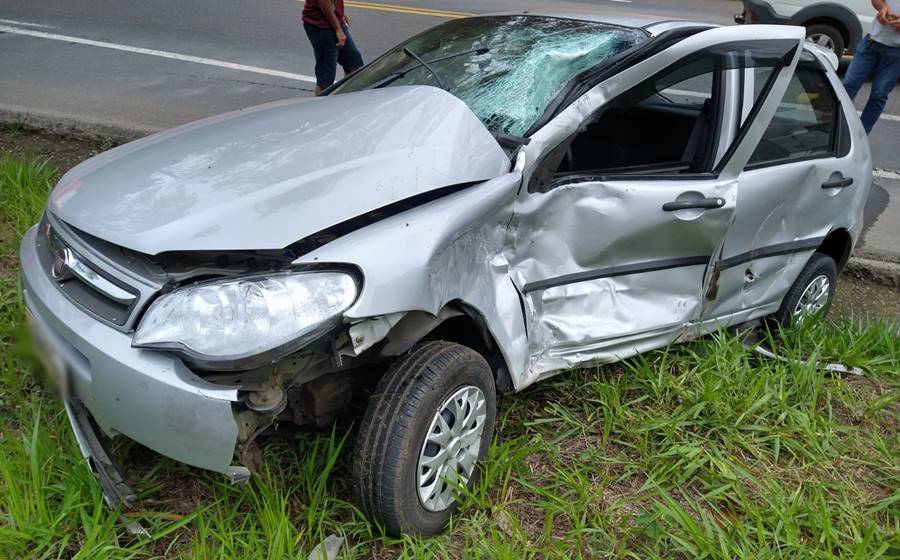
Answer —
62 265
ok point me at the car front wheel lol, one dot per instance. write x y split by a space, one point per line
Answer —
429 422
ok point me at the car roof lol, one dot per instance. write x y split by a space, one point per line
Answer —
652 25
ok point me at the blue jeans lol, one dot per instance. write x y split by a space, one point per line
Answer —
329 55
883 63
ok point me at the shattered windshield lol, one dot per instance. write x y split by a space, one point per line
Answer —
507 69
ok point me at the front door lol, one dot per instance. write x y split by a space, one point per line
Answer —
614 238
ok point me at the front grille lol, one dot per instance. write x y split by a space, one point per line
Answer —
94 288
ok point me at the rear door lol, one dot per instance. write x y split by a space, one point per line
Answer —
802 181
622 218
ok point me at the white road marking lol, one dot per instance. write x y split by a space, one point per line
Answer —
157 53
887 174
28 24
895 118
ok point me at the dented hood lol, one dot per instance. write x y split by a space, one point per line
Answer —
265 177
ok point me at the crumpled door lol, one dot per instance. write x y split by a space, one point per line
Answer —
613 263
608 268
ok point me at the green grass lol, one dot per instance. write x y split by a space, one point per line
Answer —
699 451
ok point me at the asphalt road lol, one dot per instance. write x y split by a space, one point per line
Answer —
152 64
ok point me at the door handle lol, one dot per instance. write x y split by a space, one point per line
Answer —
838 183
704 203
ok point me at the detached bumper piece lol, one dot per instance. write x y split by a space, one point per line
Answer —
117 493
752 342
837 368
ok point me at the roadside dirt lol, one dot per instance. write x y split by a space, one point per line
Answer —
856 299
863 301
62 152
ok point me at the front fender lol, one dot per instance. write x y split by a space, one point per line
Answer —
447 250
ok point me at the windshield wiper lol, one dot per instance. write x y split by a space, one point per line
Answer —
394 76
434 73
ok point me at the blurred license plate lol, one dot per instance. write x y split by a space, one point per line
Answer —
53 362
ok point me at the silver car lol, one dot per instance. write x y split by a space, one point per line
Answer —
497 200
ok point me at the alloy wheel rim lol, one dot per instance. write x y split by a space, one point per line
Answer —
822 40
451 448
814 298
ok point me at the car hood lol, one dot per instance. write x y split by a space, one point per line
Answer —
266 177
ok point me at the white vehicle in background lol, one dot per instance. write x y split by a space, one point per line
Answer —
832 24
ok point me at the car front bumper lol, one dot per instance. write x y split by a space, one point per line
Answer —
148 396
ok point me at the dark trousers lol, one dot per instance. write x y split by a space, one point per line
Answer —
882 62
329 55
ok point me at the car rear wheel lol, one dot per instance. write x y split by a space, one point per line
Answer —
811 294
429 422
826 36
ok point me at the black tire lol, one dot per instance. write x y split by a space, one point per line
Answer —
833 33
394 428
819 264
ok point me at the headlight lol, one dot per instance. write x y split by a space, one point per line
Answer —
246 322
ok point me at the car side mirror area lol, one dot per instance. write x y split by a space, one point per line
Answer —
555 162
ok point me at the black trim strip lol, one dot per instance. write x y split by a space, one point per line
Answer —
773 251
521 297
611 271
315 240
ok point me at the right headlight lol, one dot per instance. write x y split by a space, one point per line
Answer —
246 322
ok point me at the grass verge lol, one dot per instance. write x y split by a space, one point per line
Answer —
697 451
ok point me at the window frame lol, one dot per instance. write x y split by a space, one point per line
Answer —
718 91
719 95
837 130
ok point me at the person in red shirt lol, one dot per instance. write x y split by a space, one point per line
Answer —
328 28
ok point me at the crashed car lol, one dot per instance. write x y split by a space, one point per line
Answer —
495 201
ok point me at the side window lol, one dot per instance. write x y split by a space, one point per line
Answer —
664 125
671 124
694 91
805 123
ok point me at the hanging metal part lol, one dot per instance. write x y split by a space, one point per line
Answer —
116 492
134 527
751 342
237 474
831 368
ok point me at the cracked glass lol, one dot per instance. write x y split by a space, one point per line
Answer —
507 69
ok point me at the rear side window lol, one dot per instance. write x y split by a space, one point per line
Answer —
695 91
805 124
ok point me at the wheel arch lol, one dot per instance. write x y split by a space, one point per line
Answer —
457 322
840 17
838 245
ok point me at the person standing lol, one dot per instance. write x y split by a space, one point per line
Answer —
328 28
877 55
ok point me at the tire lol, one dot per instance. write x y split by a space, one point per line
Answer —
819 266
827 36
392 437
